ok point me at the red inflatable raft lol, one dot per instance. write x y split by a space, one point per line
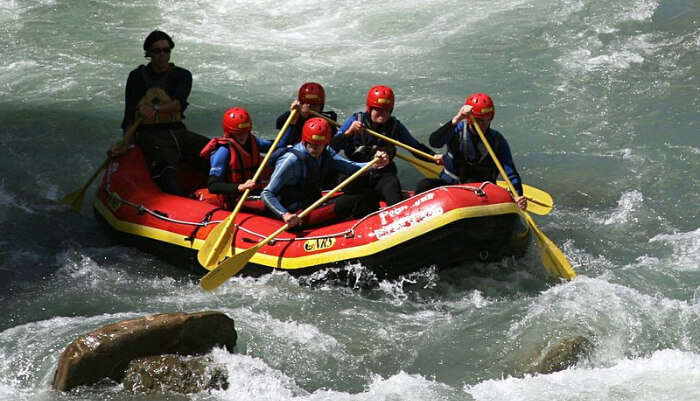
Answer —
443 227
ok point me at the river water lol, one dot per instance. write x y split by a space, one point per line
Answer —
598 99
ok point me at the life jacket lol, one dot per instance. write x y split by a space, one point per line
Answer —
302 196
365 145
483 169
241 165
156 93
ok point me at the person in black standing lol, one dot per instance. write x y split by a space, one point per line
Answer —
155 99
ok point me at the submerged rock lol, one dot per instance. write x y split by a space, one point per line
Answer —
172 373
559 356
107 351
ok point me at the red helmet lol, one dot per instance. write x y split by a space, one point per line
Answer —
312 93
380 97
236 120
316 130
482 105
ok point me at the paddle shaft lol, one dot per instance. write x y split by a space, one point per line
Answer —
320 201
552 257
511 188
236 263
94 175
75 198
430 170
380 136
264 161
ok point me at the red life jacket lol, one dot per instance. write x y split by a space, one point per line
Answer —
241 165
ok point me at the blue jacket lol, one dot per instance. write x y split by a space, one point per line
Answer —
469 147
291 172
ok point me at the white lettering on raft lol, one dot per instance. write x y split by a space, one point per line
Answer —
398 210
406 222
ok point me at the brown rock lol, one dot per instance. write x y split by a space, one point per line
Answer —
107 351
172 373
560 356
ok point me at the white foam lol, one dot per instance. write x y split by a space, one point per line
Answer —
686 249
628 203
251 379
636 379
622 318
29 352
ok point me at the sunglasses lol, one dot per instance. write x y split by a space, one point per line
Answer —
158 50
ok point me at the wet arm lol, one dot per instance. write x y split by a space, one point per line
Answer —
285 173
408 139
443 135
219 164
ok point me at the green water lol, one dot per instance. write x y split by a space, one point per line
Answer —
598 100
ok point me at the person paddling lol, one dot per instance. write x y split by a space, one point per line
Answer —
234 158
296 180
311 96
156 96
361 146
467 159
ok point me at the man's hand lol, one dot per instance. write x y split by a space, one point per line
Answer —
439 159
383 159
147 110
249 184
117 149
464 112
522 202
291 219
295 105
355 128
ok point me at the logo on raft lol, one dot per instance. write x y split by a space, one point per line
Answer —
318 244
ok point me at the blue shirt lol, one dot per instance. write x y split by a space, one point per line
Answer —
290 171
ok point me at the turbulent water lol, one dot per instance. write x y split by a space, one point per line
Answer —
598 99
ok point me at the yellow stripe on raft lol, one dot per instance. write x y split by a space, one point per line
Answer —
299 262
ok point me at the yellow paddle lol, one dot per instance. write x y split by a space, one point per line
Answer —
539 201
428 169
380 136
218 242
235 264
552 257
75 198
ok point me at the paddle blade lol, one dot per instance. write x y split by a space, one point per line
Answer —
74 199
538 201
429 170
537 207
227 269
217 245
553 259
